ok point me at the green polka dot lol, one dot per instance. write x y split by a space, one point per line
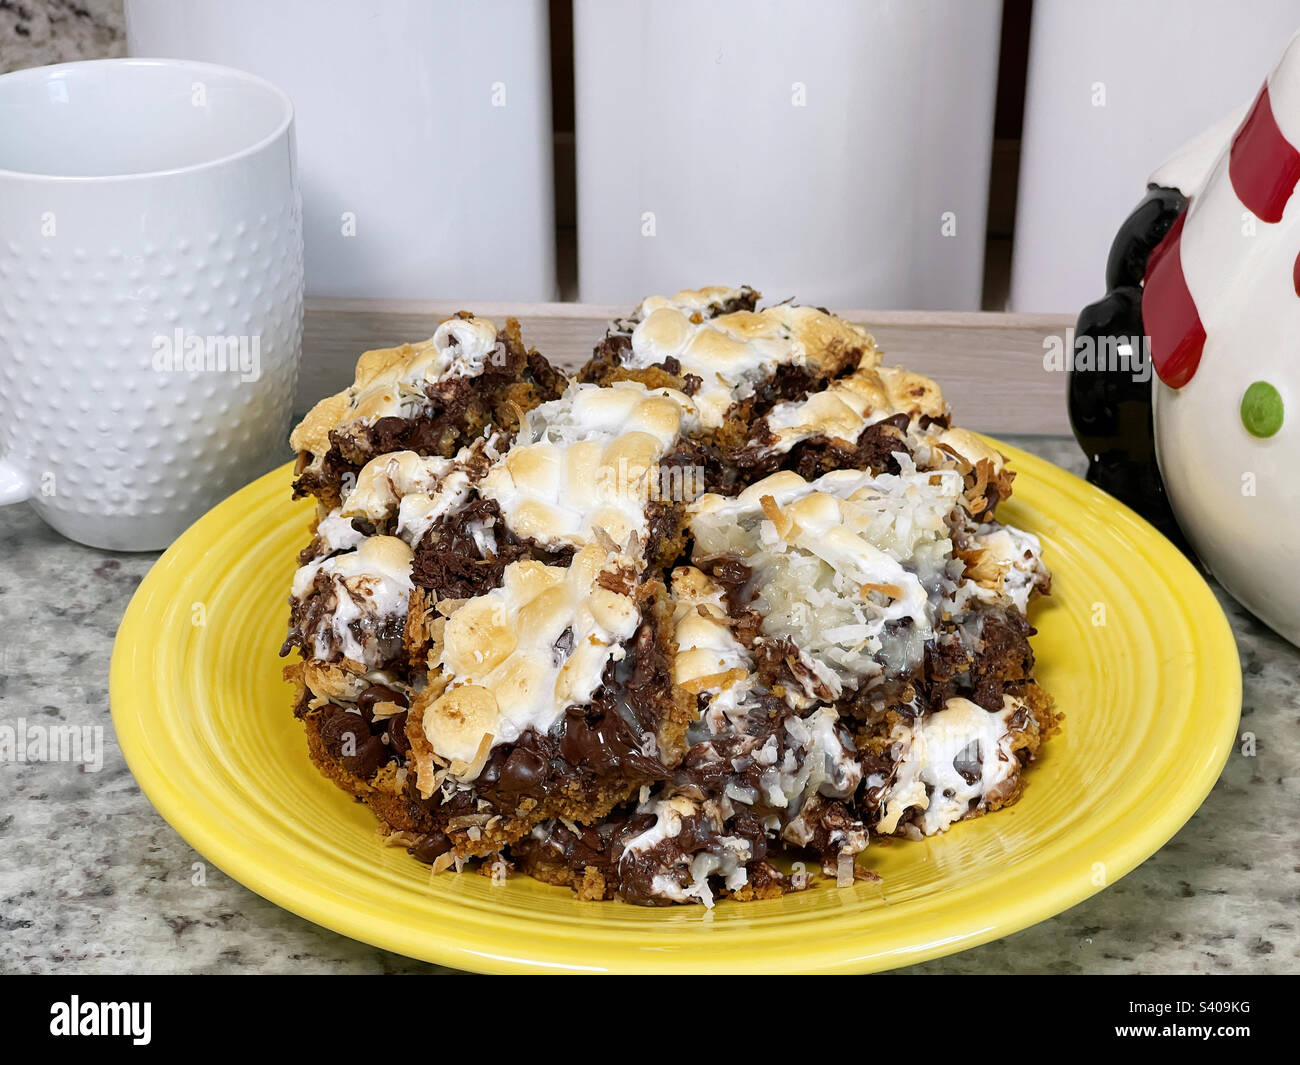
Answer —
1261 409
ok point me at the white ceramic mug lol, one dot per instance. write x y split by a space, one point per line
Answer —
150 292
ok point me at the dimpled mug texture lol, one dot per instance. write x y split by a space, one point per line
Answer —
103 281
114 438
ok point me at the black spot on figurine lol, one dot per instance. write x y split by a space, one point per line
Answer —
1142 230
1109 395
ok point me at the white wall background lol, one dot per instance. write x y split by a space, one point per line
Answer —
428 122
881 105
690 124
1167 69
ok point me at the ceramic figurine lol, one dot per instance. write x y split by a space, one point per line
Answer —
1220 304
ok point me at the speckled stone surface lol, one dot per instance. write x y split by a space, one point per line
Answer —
36 32
93 880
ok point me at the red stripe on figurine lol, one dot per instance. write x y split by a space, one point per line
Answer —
1263 164
1169 313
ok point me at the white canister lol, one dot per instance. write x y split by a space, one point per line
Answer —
837 151
1113 87
424 132
150 292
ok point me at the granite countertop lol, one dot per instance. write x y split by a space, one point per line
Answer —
92 880
35 32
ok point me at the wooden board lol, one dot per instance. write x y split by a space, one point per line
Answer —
990 366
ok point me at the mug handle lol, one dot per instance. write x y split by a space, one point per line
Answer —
13 485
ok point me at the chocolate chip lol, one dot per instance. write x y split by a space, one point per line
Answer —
599 740
347 738
379 693
523 771
430 846
397 734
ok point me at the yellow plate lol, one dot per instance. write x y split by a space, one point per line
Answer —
1131 643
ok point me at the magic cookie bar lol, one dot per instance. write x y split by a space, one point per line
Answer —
733 598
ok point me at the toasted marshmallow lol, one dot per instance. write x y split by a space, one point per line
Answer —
371 587
693 300
391 381
528 649
419 488
588 460
925 775
709 659
733 354
849 405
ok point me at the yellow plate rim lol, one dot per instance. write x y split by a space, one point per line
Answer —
461 943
